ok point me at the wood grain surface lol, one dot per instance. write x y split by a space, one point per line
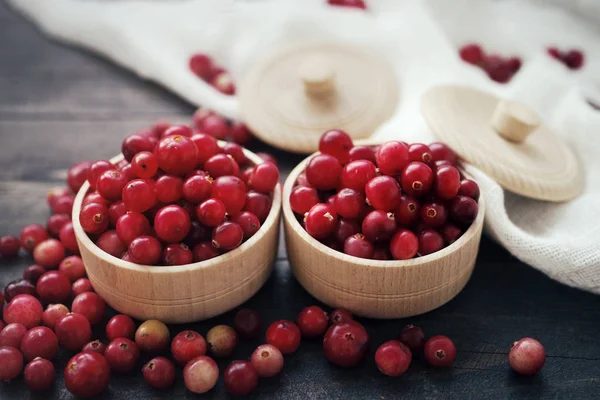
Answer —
59 105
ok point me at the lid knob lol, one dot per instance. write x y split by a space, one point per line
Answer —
317 75
514 121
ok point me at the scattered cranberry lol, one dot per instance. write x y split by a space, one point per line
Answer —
53 313
53 287
9 246
121 355
527 356
223 83
472 53
312 321
152 336
11 361
77 175
120 326
215 126
55 193
285 335
240 133
240 378
94 346
340 315
413 337
573 59
24 309
247 323
201 65
12 335
267 360
200 374
187 345
39 374
159 373
439 351
87 375
221 340
90 305
39 342
64 205
72 267
49 253
393 358
345 343
81 286
17 287
67 237
32 235
73 331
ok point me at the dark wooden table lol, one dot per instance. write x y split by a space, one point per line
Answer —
60 105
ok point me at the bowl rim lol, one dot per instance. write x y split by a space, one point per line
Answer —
84 239
290 218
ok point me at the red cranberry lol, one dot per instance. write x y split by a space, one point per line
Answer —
12 335
33 273
247 323
221 165
200 115
145 250
67 238
447 182
383 192
172 224
440 151
514 63
132 225
120 326
430 241
404 245
204 251
32 235
197 188
94 197
110 184
214 125
39 374
175 130
223 83
240 378
433 214
340 315
378 226
469 188
11 361
265 177
416 179
323 172
240 133
17 287
361 153
527 356
356 174
87 375
202 66
177 254
574 59
24 309
169 189
320 221
94 346
54 225
90 305
554 53
121 355
39 342
211 212
381 253
110 243
258 204
344 229
497 69
159 373
349 203
140 195
472 53
231 190
72 267
336 143
420 152
55 193
413 337
93 218
135 144
77 175
450 233
53 313
346 343
152 336
96 169
187 345
285 335
221 340
464 210
200 374
312 321
248 222
144 165
267 360
349 3
236 151
407 211
53 287
439 351
81 286
358 246
64 205
392 157
197 234
227 236
393 358
49 253
73 331
9 246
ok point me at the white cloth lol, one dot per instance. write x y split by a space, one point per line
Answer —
155 39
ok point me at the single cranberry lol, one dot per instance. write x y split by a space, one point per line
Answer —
197 234
413 337
440 351
115 211
447 182
214 125
95 346
497 69
152 336
231 190
17 287
49 253
73 331
200 374
140 195
197 188
240 133
132 225
200 115
64 205
110 184
211 212
53 287
358 246
12 335
440 152
127 171
10 245
144 165
81 286
227 236
469 188
134 144
248 222
527 356
573 59
240 378
340 315
383 192
360 4
110 242
120 326
433 214
172 224
39 374
267 360
32 235
247 323
356 174
39 341
464 210
201 65
33 273
421 153
344 229
169 189
24 309
159 373
450 233
122 354
381 253
312 322
87 375
96 169
94 197
177 254
320 221
404 245
345 343
145 250
237 152
514 63
77 175
265 177
94 218
67 238
221 165
361 153
416 179
175 130
407 211
223 83
55 193
554 53
378 226
53 313
430 241
187 345
72 267
336 143
221 340
258 204
204 251
393 358
349 203
11 361
285 335
392 157
472 54
323 172
90 305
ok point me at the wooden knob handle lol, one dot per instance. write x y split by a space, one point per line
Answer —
318 76
514 121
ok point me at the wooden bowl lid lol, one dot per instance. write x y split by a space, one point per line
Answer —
292 97
506 140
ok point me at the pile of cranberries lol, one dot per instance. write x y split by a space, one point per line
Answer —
348 3
573 58
177 197
499 69
394 201
204 67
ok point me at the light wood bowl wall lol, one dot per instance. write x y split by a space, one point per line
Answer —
186 293
378 289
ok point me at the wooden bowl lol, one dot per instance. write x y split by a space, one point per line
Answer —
378 289
185 293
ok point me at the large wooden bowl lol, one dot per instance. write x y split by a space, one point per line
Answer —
378 289
184 293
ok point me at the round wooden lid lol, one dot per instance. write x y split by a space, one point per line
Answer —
506 140
290 98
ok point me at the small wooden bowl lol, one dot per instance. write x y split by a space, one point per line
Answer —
378 289
183 293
